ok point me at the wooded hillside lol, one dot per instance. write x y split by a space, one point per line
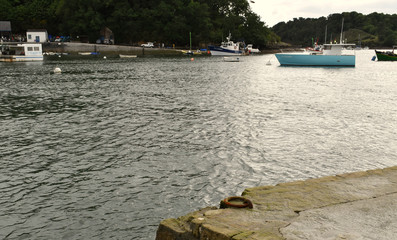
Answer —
375 29
132 21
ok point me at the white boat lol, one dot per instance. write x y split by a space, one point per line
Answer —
231 59
252 50
331 56
190 52
228 48
21 52
127 56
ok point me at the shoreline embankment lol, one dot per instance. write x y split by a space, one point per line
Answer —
75 48
360 205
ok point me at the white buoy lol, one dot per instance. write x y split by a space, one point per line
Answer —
104 57
57 70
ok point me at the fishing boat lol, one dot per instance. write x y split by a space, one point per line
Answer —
21 52
386 55
331 56
227 48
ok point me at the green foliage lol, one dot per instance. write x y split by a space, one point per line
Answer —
162 21
375 29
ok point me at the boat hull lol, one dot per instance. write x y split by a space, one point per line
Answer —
286 59
127 56
15 58
382 56
218 51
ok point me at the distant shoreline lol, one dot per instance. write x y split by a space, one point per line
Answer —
76 48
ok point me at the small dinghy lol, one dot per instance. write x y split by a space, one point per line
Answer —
231 59
127 56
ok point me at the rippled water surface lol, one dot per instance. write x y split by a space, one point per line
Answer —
109 148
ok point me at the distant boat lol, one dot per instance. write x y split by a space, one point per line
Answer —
252 50
88 53
190 52
331 56
386 55
127 56
22 52
227 48
231 59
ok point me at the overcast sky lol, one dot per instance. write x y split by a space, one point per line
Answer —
275 11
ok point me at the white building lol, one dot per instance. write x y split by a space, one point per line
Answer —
37 35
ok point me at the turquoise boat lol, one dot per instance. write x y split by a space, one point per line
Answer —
331 56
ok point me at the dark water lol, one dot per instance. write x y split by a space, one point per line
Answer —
109 148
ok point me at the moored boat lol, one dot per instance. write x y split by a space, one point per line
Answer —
231 59
21 52
190 52
227 48
331 56
88 53
386 55
127 56
252 50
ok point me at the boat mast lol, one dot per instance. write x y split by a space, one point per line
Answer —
341 32
325 39
190 36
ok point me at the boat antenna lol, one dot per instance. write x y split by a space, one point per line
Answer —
341 32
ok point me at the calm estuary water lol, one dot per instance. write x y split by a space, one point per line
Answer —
110 147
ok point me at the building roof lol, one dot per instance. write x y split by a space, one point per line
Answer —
5 26
36 30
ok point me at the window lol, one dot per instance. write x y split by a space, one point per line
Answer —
29 36
36 48
30 49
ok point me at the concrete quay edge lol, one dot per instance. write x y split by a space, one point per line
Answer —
359 205
74 48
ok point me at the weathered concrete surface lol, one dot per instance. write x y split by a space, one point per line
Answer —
361 205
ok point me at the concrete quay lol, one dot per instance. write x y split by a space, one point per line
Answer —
351 206
75 48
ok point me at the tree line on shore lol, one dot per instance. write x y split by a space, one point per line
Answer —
132 21
372 30
209 22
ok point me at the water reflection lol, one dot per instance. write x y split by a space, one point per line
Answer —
109 148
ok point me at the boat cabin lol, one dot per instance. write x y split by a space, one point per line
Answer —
21 52
335 49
